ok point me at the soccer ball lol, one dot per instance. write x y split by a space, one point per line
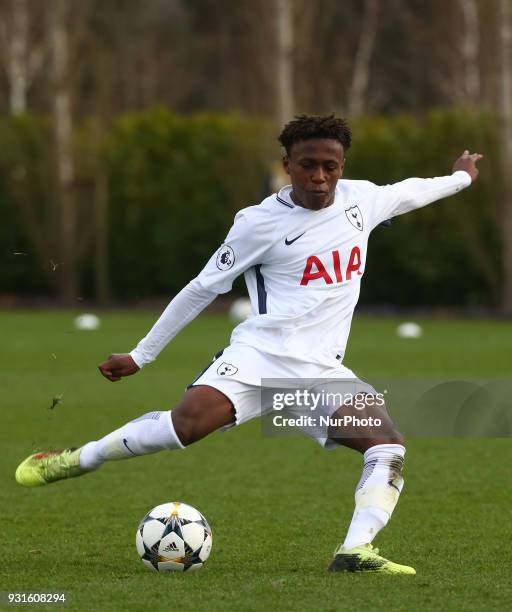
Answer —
173 537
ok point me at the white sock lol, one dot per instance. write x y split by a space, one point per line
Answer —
150 433
377 493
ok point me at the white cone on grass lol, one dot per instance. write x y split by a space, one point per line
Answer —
240 310
409 330
87 322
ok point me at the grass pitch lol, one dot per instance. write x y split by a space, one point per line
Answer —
277 507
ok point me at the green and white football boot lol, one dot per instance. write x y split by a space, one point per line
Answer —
43 468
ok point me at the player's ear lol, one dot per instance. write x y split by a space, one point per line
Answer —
286 163
342 166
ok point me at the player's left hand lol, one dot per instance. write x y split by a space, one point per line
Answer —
117 366
467 162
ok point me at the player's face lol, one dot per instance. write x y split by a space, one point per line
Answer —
314 167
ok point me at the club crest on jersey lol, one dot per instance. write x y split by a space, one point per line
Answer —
226 369
355 217
225 258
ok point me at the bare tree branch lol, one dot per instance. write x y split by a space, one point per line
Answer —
18 57
63 125
470 50
285 98
361 73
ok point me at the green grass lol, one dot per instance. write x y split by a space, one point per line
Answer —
277 507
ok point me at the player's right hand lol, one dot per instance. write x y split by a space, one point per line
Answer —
117 366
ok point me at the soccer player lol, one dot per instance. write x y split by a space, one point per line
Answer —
303 253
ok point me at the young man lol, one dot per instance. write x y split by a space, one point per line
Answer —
303 253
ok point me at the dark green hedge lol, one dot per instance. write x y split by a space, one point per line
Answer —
26 198
175 183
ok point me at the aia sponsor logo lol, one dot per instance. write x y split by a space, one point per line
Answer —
315 269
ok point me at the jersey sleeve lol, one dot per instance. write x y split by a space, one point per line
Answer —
248 240
245 246
185 307
399 198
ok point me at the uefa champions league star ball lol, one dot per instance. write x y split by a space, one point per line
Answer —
240 310
87 322
409 330
174 537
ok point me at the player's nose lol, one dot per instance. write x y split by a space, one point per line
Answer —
318 176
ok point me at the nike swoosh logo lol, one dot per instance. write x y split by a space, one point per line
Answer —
288 242
124 442
392 484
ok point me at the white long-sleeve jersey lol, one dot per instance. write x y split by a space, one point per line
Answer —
303 268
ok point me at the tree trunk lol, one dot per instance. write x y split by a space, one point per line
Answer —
470 52
63 125
285 97
104 69
361 75
505 28
101 222
18 78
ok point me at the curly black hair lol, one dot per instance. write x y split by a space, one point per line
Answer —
305 127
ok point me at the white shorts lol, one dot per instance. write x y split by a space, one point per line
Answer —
245 376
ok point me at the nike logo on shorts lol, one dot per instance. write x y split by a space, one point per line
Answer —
288 242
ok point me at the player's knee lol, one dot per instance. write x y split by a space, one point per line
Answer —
389 435
384 428
202 411
364 444
184 429
385 437
397 438
196 417
187 425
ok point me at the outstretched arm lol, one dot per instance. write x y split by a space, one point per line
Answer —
244 247
413 193
185 307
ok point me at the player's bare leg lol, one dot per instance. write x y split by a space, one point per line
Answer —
202 411
378 489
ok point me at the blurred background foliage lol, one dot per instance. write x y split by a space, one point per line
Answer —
132 131
175 183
